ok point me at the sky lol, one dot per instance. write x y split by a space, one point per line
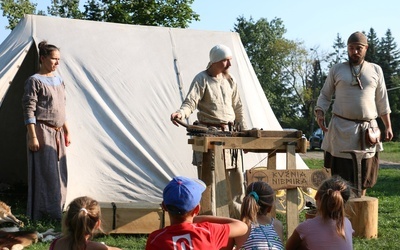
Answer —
316 23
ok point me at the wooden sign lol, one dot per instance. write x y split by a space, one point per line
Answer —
288 178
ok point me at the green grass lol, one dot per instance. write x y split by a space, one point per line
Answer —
387 190
391 152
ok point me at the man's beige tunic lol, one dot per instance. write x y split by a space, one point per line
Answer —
353 103
217 100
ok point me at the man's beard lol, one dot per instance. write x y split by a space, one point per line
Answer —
226 70
356 60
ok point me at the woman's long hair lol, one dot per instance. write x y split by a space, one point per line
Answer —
333 195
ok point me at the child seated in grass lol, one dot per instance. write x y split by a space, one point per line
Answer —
329 229
264 231
80 223
188 230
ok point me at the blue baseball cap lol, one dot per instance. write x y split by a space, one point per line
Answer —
183 194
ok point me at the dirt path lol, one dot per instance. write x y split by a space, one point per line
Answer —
319 154
313 154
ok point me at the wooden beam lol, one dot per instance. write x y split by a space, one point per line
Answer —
251 144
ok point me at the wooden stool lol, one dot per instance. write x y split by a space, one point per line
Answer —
363 214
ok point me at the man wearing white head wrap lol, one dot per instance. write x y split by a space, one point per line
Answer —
214 94
219 53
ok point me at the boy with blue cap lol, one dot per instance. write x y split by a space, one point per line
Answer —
188 230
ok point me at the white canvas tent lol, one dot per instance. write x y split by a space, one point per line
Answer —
122 82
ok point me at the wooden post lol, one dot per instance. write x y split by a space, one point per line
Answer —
272 165
222 192
292 213
207 175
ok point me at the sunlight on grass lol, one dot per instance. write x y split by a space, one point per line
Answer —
391 152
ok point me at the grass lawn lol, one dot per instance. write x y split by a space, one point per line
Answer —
387 190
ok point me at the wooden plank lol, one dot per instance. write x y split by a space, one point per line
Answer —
290 178
132 218
275 133
251 144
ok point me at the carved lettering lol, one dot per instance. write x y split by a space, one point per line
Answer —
281 179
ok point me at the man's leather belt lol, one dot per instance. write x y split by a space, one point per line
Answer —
353 120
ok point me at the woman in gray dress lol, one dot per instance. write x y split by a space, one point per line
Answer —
47 138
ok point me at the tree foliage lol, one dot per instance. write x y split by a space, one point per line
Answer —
15 10
339 53
65 8
389 60
284 69
167 13
267 49
373 47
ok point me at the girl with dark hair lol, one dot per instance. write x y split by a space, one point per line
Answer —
82 220
48 136
330 229
264 231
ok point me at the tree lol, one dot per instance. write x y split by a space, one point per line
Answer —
389 57
373 47
389 60
267 49
65 8
15 10
167 13
340 52
394 100
289 78
93 11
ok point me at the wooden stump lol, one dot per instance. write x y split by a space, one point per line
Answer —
363 214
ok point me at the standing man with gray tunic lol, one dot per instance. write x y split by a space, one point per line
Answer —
43 105
360 98
214 94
